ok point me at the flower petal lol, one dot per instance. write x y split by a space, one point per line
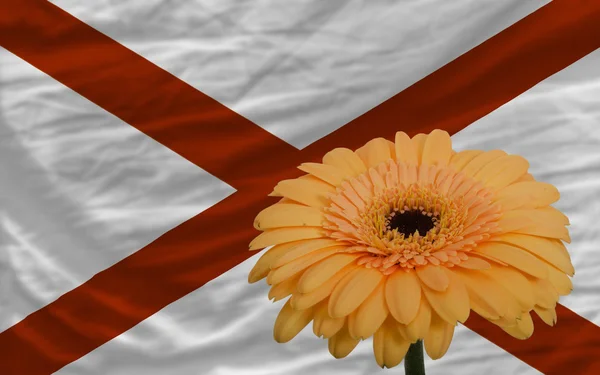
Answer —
523 329
288 270
544 293
547 315
342 344
405 149
328 173
319 273
508 169
541 247
352 290
324 325
437 149
374 152
514 282
290 322
419 142
389 346
438 338
283 289
490 296
453 304
515 257
283 235
301 301
302 248
288 215
474 263
434 277
346 160
527 194
560 281
403 295
370 315
418 328
310 191
263 265
459 160
480 161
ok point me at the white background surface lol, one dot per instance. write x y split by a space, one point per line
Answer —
80 190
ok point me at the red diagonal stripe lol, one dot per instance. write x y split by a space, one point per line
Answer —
572 346
208 245
152 100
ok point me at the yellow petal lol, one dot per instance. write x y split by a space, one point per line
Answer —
389 346
288 215
374 152
370 314
418 328
328 173
489 296
301 301
346 160
515 257
547 315
474 263
283 289
324 325
352 290
405 149
392 148
437 148
544 216
453 304
419 142
546 230
438 338
525 177
319 273
514 282
523 329
302 248
526 194
282 235
263 265
403 295
544 293
512 221
480 161
503 171
560 281
310 191
342 344
541 247
434 277
288 270
290 322
459 160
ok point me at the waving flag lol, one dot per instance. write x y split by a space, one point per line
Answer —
139 139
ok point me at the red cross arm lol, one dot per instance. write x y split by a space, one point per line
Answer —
130 87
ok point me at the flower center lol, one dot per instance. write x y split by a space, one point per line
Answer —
401 216
409 222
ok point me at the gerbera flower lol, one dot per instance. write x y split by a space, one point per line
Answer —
401 240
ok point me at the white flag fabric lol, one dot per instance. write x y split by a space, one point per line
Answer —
80 189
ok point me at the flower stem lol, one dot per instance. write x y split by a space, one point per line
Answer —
414 363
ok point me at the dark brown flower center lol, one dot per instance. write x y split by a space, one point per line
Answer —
408 222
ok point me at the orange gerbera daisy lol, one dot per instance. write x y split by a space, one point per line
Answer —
401 240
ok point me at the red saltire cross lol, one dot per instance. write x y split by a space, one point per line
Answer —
252 160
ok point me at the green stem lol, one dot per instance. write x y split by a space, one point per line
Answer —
414 363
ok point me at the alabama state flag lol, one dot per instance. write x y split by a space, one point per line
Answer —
139 139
